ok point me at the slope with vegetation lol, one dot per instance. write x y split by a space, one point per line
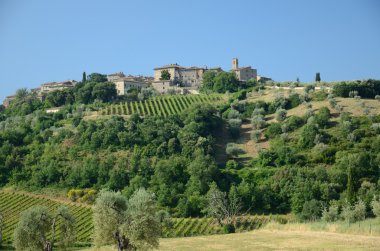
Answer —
316 162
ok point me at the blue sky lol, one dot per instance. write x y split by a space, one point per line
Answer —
44 40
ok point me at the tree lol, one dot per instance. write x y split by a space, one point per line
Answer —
37 223
165 75
281 115
234 127
317 77
208 80
97 77
104 91
256 135
350 184
233 150
222 207
84 77
131 224
225 81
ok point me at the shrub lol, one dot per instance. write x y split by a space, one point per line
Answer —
331 214
233 114
89 196
281 115
234 127
258 121
75 194
233 150
311 210
273 130
293 123
375 205
228 229
255 135
354 213
319 96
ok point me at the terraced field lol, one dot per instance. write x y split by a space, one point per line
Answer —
161 105
12 204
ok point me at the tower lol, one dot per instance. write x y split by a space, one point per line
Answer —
235 64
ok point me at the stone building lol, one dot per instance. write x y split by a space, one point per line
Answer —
54 86
114 76
124 83
182 79
7 101
243 73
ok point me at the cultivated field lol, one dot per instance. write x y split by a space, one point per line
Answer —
165 105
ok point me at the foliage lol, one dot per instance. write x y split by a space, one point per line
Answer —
375 205
317 77
311 210
220 82
224 208
354 213
233 150
281 115
82 195
130 224
365 88
165 75
34 226
331 214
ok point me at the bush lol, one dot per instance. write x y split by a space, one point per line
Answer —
281 115
258 121
294 123
354 213
375 205
273 130
255 135
83 195
319 96
228 229
233 150
311 210
331 214
234 127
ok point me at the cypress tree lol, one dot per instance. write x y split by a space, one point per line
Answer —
84 77
350 184
317 77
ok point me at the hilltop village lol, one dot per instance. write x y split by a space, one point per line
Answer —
168 78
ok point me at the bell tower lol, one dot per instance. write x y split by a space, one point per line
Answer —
235 64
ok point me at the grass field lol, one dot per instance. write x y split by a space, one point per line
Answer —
266 239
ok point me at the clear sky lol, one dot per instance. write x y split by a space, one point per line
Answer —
46 40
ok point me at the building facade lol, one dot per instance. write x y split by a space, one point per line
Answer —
243 73
54 86
124 83
182 79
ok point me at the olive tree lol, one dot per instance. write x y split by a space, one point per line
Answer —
233 150
37 225
281 115
221 206
130 224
